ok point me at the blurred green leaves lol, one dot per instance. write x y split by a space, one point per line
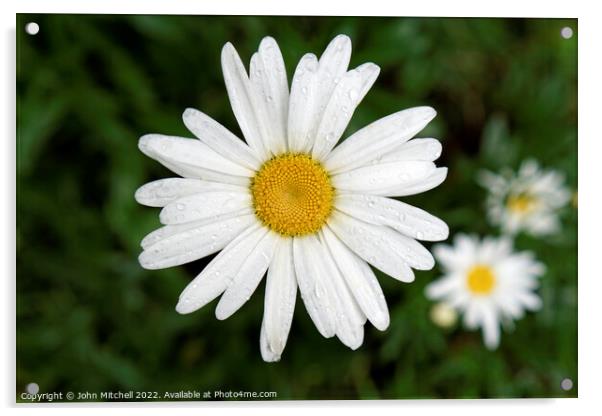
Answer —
90 318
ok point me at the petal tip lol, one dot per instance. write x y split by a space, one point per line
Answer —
139 195
342 38
184 306
189 113
144 143
145 261
267 41
221 314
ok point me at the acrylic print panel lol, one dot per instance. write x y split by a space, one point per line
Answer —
430 253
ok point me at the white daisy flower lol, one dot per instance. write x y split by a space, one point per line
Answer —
487 282
288 202
528 200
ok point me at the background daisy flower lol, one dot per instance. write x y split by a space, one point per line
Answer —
287 202
487 282
528 200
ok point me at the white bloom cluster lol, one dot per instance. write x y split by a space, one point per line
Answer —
484 279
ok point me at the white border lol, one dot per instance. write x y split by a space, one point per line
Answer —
590 283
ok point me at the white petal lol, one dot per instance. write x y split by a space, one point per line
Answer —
192 159
163 191
247 278
336 56
368 72
426 150
424 184
280 296
449 259
266 352
312 288
378 139
400 216
169 230
193 244
205 205
220 139
495 183
491 327
332 66
384 248
301 116
268 75
315 90
244 101
531 301
335 301
382 179
347 94
216 276
441 288
361 281
511 307
471 315
348 315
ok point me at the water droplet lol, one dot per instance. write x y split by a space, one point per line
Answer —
180 206
318 291
352 95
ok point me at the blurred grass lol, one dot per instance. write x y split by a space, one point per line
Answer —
90 318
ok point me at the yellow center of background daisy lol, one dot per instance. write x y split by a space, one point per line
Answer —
481 279
521 204
292 194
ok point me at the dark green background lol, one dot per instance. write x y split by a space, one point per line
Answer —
90 318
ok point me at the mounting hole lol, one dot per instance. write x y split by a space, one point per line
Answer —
32 28
566 32
566 384
32 388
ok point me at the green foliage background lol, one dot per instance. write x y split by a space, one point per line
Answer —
90 318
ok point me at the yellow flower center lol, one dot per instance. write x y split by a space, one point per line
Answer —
292 194
480 280
521 204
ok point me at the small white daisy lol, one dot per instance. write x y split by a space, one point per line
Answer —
288 202
487 282
528 200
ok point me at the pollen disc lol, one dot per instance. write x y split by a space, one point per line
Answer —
292 194
481 279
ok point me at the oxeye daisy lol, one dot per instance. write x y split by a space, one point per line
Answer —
487 282
286 201
528 200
